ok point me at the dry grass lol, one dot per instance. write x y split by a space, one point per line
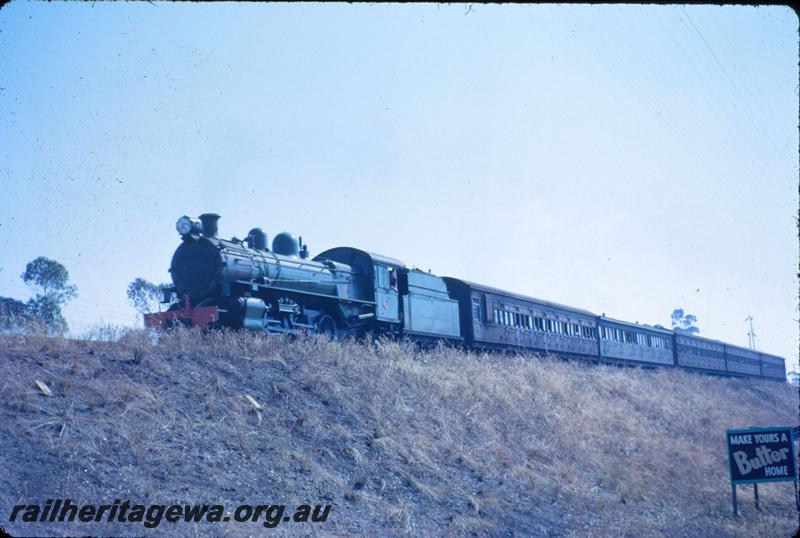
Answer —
401 442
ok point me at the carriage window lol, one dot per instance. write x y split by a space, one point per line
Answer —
476 308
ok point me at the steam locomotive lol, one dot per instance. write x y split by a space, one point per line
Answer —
347 291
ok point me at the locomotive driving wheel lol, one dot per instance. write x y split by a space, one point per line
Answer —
325 326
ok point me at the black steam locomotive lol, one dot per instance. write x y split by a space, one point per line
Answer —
346 291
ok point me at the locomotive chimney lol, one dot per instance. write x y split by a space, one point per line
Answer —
209 221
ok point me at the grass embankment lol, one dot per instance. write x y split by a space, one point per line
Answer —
399 441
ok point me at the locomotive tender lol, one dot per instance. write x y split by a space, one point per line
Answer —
347 291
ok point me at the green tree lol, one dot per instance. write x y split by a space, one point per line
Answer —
14 314
46 311
145 296
50 279
684 323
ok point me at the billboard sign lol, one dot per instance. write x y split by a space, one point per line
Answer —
761 455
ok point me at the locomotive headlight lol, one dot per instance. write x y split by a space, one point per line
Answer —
184 225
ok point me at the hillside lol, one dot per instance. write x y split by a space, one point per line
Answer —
399 441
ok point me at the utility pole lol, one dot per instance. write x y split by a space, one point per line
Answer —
751 335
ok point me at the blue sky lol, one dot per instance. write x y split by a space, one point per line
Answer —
623 159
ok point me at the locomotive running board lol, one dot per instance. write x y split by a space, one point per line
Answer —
201 316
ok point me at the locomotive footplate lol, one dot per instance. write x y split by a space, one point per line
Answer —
200 316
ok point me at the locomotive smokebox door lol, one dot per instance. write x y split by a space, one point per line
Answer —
386 296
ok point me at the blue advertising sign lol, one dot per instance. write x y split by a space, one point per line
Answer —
761 455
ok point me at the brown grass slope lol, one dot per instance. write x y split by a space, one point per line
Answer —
399 441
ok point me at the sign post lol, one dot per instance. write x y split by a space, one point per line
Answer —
761 455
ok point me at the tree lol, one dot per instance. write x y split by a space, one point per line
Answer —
51 281
52 278
145 296
684 323
14 314
46 310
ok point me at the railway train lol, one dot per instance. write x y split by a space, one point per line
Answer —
347 291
